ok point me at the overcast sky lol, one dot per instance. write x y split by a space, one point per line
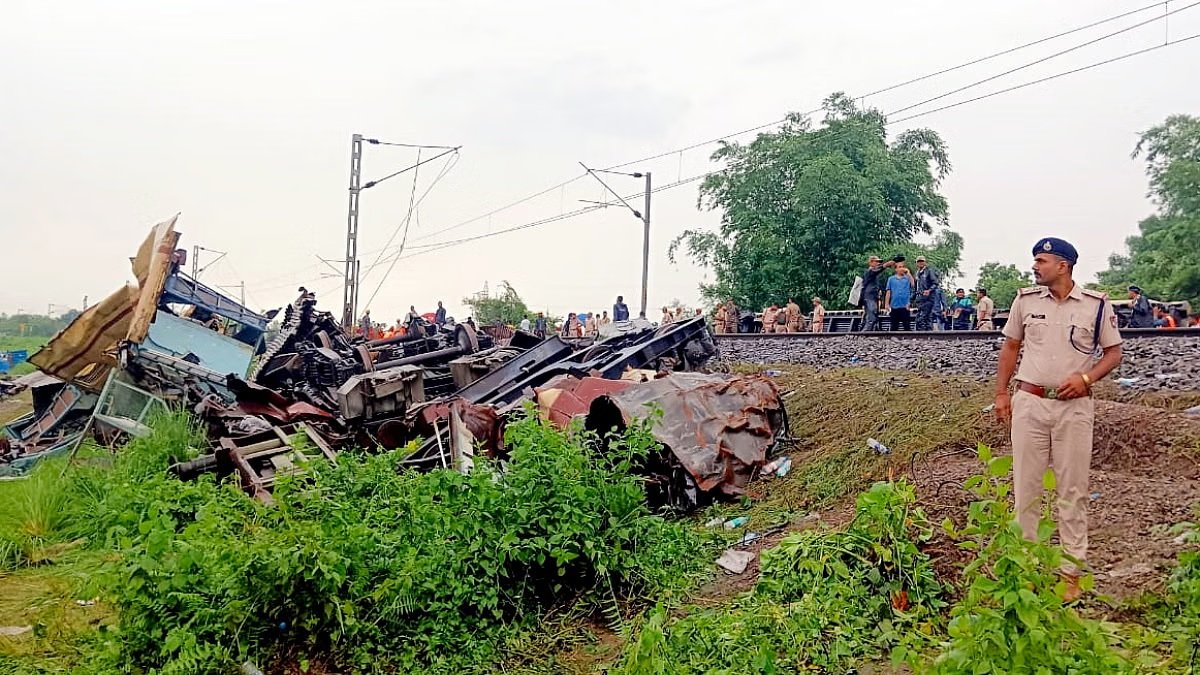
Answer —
117 115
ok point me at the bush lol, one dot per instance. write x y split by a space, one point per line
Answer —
1012 618
825 600
379 567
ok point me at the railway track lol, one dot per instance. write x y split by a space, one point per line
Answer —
1126 333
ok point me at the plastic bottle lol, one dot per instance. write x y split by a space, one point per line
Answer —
734 523
878 447
784 467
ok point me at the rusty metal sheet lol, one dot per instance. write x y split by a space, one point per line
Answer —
721 428
565 398
90 338
152 266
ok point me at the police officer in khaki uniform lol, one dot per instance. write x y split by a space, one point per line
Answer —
986 308
794 317
1062 327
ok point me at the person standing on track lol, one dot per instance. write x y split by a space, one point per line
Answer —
870 292
769 316
1062 327
897 299
818 321
732 316
927 285
985 308
792 313
1141 316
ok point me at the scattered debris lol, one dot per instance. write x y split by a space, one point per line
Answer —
735 561
878 447
13 631
270 400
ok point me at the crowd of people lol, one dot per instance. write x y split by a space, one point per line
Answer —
910 299
1144 314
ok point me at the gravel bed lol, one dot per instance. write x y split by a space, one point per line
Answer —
1155 363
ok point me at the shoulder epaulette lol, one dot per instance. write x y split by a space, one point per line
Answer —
1095 294
1030 289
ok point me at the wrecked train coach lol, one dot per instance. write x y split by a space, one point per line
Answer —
269 405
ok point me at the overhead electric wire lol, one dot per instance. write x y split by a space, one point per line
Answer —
773 123
972 62
1044 59
376 141
1055 76
1010 50
412 204
494 211
373 183
437 246
450 163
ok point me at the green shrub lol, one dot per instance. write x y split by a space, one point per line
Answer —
825 600
382 568
1011 618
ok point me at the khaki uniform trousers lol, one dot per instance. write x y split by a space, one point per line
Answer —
1059 433
986 324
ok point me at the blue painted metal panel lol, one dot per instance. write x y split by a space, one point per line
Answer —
178 337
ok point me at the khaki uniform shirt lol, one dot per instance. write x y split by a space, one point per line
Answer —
1059 336
987 306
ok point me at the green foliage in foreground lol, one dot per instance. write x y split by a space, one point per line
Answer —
826 600
831 601
1011 618
381 569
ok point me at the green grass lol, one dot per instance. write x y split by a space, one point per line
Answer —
17 343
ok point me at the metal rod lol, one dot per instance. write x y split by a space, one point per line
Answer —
420 358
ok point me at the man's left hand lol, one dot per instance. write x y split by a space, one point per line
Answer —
1073 387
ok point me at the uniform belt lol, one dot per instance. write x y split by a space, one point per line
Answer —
1040 392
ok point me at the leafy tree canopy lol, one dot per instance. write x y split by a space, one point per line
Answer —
505 307
804 206
1003 281
1164 258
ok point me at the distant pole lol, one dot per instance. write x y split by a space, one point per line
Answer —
85 305
350 284
243 285
646 247
195 262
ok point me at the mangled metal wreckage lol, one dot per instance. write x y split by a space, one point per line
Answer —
271 402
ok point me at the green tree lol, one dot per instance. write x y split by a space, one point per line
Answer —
804 206
506 307
1163 258
1003 281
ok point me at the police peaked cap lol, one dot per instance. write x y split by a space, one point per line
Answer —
1058 247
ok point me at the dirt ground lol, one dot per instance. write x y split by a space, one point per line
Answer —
14 407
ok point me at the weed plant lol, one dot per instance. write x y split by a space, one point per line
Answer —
1011 618
379 568
825 601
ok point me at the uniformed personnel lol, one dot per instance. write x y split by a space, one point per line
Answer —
1062 327
794 317
986 308
732 317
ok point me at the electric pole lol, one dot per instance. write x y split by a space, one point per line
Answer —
646 247
350 284
353 268
643 215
